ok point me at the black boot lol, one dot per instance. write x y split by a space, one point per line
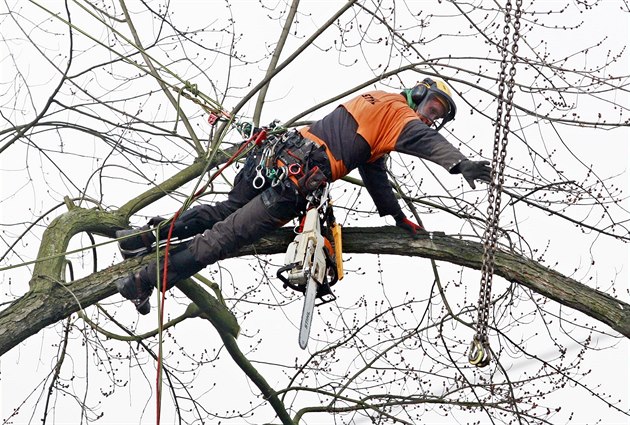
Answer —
135 288
141 240
138 286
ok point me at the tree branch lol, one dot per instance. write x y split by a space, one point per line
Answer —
274 60
34 310
197 144
511 266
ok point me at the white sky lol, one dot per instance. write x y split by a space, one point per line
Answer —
300 86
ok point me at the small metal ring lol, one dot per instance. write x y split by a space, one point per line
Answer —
295 168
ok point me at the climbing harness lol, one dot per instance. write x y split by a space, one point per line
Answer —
480 352
313 259
312 263
288 156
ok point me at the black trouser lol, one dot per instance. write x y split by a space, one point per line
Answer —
248 213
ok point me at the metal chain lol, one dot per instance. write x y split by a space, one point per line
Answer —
480 353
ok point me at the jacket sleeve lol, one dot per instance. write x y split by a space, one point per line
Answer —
419 140
374 175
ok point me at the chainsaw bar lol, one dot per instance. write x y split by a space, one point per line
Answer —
307 312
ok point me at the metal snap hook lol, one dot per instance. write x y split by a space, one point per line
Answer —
279 176
479 354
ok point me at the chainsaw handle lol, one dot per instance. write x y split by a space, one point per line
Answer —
285 280
323 289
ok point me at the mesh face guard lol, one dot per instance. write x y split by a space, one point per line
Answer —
433 109
419 96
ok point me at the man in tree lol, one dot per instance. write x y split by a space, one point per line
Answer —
357 134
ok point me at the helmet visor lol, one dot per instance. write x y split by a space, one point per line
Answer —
433 109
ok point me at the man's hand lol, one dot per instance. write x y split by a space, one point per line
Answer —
409 226
475 170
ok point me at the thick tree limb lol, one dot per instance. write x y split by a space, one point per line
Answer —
38 309
512 267
266 390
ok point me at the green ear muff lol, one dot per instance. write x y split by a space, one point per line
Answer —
416 95
410 101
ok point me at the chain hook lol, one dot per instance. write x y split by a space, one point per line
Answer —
479 354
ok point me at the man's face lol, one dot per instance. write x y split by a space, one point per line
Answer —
431 109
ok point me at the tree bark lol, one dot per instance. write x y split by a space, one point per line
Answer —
513 267
38 309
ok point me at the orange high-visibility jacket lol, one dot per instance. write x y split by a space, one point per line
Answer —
359 132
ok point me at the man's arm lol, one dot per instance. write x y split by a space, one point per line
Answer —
419 140
376 182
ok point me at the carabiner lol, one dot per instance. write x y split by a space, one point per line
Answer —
280 175
282 172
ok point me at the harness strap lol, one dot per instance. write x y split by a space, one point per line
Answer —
295 158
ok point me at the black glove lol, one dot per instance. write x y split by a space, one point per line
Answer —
474 170
154 221
409 226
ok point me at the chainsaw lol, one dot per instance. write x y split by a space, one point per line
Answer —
312 265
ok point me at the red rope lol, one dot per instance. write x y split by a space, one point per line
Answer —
260 136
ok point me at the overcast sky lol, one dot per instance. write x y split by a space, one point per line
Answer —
26 192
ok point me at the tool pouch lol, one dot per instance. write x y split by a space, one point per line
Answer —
312 180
